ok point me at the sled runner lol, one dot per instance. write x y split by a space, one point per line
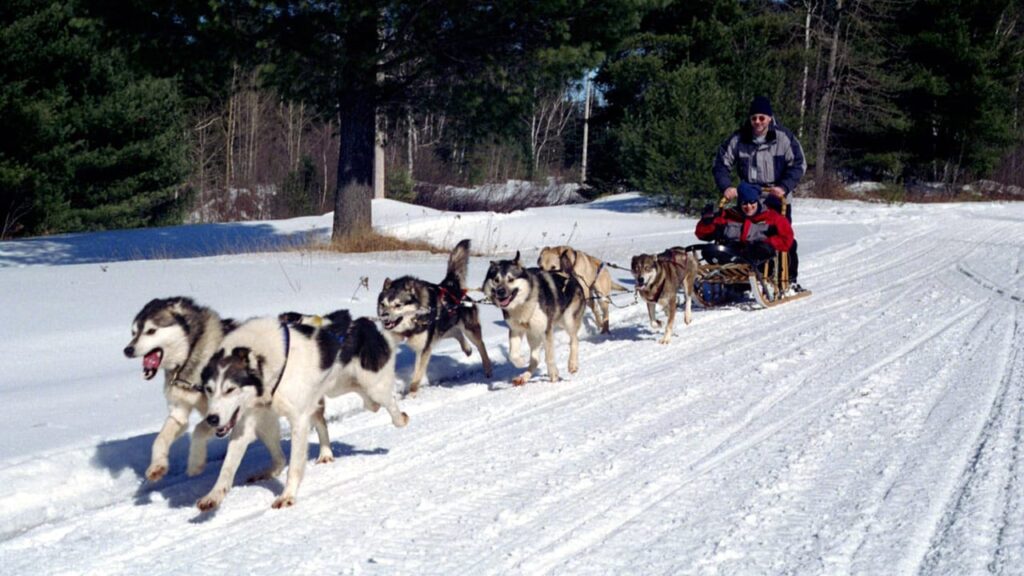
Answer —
723 277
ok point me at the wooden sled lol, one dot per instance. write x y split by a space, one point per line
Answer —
723 276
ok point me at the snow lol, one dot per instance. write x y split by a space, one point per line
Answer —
873 428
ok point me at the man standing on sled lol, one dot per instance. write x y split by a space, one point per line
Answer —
767 156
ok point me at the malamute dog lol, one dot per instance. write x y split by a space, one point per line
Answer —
659 278
265 369
180 336
592 275
421 313
534 302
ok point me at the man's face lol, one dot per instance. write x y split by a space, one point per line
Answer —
760 123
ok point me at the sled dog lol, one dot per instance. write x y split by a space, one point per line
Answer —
266 369
658 280
179 336
590 272
421 313
534 302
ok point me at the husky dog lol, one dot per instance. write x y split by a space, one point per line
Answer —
265 369
659 278
592 275
534 302
421 313
178 335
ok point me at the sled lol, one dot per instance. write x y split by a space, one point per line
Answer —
724 277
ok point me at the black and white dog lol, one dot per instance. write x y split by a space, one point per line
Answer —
265 369
179 336
534 302
421 313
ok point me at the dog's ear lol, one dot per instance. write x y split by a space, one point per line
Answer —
516 259
242 354
387 283
565 263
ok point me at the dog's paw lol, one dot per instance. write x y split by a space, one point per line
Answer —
156 471
521 379
325 459
554 376
208 502
283 502
656 324
574 367
402 421
664 340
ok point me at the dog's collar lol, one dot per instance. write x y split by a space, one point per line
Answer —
180 382
287 346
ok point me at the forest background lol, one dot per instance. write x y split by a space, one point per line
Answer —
121 114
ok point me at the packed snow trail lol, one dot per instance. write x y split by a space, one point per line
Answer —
874 428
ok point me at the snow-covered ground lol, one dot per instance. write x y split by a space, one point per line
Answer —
874 428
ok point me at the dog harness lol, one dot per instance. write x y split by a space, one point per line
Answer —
287 346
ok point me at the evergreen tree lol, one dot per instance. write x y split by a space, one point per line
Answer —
89 144
965 60
680 85
669 139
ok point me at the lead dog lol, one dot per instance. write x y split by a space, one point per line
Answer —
421 313
592 275
534 302
179 336
658 280
265 369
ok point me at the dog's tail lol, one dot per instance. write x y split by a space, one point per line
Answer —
458 264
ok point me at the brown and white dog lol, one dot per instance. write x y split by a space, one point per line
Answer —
590 272
658 280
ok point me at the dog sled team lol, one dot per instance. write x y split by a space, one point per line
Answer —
242 377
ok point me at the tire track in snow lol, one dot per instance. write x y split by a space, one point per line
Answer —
1000 432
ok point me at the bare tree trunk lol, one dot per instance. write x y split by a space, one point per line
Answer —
551 114
586 131
378 157
229 132
807 51
254 128
352 202
410 141
325 147
828 97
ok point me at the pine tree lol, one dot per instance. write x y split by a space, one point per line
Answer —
89 145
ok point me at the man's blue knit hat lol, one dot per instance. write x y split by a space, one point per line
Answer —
761 105
747 192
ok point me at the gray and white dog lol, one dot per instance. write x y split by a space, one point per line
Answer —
179 336
421 313
534 302
266 369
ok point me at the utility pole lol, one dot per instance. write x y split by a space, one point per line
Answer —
586 129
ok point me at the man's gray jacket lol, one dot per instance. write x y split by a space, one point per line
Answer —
778 161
